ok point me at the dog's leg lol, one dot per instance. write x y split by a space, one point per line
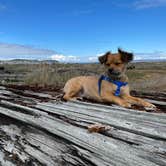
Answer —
114 99
68 97
138 101
71 95
71 91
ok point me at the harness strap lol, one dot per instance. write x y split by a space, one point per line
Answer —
119 84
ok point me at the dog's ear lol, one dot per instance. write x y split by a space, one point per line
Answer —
103 58
125 56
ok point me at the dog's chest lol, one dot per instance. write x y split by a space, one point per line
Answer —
113 88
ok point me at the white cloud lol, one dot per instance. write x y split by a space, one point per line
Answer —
143 4
63 58
58 57
137 56
95 58
153 55
16 51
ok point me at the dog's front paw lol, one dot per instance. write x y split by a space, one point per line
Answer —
149 106
126 105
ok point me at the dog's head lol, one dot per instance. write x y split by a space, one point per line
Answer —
116 63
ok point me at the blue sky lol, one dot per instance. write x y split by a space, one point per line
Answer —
81 30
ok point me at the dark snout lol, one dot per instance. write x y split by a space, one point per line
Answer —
112 71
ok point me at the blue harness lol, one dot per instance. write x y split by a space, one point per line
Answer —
119 84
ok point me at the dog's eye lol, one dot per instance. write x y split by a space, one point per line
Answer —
107 64
117 63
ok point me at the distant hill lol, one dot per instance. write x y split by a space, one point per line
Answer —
150 60
36 61
27 61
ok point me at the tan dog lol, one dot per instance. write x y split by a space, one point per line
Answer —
87 86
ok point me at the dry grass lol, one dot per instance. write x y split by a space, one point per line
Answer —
146 76
58 74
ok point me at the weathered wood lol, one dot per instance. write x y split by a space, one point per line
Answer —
52 133
136 123
156 102
35 147
103 146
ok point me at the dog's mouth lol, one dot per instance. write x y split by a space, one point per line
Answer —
115 73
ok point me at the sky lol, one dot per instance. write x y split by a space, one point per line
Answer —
82 30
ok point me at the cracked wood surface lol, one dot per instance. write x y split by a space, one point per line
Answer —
38 129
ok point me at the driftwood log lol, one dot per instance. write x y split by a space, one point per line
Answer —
36 129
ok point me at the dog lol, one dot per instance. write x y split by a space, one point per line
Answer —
112 87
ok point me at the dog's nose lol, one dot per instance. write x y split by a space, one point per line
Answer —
110 70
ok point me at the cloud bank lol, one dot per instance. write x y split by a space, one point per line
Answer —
17 51
154 55
158 55
9 51
63 58
95 58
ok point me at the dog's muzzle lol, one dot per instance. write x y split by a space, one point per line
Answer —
113 72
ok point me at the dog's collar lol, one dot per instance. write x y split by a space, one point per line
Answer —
119 84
